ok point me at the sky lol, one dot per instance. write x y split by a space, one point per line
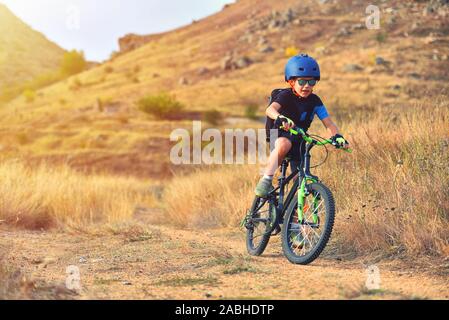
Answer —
95 26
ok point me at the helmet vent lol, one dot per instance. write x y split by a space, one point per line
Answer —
301 69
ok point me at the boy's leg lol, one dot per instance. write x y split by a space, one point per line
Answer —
297 154
281 149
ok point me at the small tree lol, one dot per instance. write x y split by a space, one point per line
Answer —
251 111
161 105
73 62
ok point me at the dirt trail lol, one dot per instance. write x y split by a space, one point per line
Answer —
179 264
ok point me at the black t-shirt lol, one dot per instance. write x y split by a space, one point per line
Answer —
300 110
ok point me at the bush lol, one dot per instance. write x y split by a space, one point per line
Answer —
73 62
213 117
29 95
161 105
251 111
381 37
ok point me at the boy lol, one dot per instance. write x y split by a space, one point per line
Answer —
298 106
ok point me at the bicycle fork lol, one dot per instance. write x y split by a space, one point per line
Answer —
302 193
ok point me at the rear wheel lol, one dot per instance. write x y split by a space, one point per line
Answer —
259 225
304 240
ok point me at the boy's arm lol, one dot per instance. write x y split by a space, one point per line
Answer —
330 126
273 110
333 129
273 113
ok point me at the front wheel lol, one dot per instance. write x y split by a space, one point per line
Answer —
305 236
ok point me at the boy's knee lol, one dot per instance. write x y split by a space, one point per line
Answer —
284 145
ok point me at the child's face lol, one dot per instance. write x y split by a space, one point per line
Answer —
305 89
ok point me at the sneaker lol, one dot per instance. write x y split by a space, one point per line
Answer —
264 187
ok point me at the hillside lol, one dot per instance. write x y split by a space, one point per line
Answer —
24 52
226 62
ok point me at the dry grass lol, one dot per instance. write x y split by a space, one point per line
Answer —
210 198
46 197
391 192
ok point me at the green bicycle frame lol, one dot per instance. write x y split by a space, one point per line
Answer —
302 186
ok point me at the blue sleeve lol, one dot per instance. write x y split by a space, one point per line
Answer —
321 112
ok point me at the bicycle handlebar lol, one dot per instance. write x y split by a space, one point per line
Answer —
298 131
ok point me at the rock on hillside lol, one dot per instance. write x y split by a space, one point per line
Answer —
133 41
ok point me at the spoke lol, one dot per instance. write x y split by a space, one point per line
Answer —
315 210
297 230
316 233
303 250
308 240
299 243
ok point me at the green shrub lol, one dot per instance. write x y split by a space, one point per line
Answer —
73 62
30 95
213 117
251 111
160 106
381 37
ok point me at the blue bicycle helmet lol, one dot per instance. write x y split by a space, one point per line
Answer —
302 66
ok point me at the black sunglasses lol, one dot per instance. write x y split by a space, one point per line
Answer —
303 82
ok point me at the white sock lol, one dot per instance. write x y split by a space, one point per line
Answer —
270 178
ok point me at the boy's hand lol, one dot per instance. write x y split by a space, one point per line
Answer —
284 123
339 142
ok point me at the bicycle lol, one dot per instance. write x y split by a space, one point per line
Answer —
305 233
